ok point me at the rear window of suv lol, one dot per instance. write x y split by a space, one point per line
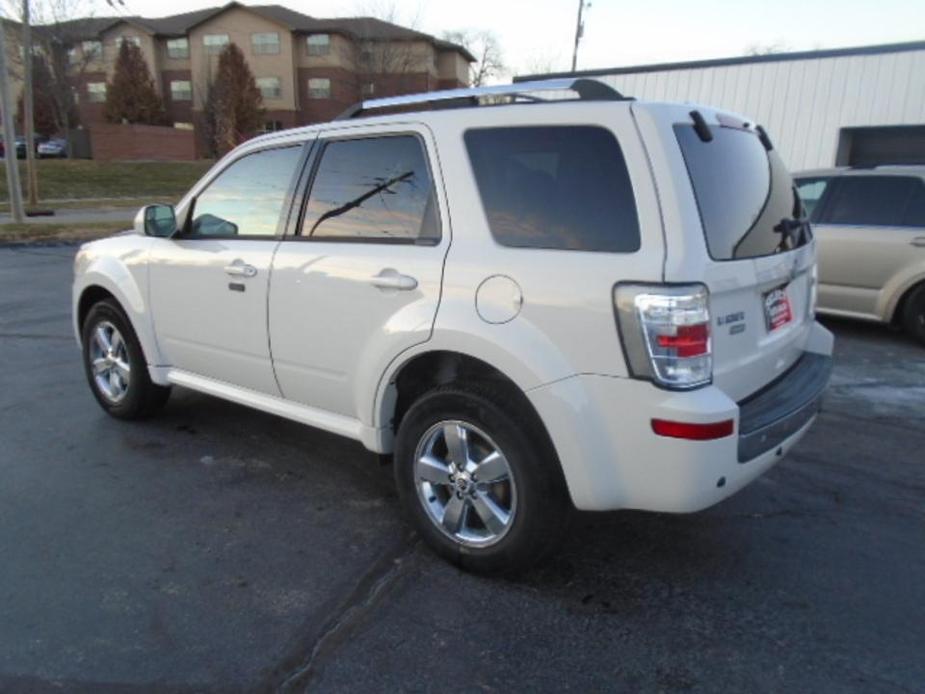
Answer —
555 187
748 205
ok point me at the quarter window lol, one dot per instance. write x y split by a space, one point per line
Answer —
870 200
96 92
318 44
319 88
247 198
811 190
270 87
373 189
214 43
557 187
178 48
265 43
181 90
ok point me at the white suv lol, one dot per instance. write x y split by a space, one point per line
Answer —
533 305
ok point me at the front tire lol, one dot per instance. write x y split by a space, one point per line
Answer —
479 481
115 365
914 314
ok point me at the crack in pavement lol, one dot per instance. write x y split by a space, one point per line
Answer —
384 574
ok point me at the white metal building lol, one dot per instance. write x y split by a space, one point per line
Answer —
852 106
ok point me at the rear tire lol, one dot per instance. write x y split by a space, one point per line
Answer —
512 480
914 314
115 364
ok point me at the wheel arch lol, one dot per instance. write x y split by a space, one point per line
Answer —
434 368
895 316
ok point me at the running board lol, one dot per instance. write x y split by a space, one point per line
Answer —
313 416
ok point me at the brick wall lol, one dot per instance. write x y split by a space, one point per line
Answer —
112 141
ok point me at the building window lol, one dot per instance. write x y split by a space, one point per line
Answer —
269 87
181 90
91 50
75 93
369 89
214 43
128 39
73 57
178 48
265 44
319 88
96 92
318 44
272 126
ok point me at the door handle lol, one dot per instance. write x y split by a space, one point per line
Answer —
239 268
391 279
918 241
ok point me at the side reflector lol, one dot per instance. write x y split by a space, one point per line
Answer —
693 432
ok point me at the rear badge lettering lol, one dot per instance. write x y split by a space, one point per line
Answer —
735 321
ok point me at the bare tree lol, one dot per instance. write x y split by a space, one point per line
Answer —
485 46
383 59
541 63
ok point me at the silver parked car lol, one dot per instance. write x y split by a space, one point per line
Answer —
870 229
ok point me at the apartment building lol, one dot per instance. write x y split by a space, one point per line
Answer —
307 69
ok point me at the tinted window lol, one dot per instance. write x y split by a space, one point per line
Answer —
555 187
246 199
744 193
811 190
874 200
915 211
372 189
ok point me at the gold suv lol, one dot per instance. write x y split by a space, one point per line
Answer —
870 231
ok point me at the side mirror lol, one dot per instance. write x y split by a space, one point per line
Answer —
156 220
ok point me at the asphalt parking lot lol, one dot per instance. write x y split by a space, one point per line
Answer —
215 548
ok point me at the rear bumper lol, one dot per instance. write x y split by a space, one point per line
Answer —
779 410
601 428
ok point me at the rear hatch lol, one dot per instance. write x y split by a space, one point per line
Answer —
736 224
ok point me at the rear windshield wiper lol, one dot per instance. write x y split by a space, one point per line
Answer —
793 231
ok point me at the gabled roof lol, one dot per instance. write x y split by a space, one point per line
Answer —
361 28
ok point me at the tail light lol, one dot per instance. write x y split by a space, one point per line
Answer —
665 331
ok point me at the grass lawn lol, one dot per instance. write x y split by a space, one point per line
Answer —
92 180
25 233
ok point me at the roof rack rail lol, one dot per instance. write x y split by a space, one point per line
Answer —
587 90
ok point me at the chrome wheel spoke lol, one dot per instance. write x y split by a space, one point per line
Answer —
493 516
116 342
102 339
454 514
457 444
122 367
492 468
100 365
433 470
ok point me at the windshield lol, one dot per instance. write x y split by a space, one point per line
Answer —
748 205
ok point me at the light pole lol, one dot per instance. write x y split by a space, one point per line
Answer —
9 136
28 123
579 31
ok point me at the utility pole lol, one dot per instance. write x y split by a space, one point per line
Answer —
9 136
579 32
27 119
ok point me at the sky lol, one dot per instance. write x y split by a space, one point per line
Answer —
538 35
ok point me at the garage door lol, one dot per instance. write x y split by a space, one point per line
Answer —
875 146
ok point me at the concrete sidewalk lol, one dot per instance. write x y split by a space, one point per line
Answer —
79 216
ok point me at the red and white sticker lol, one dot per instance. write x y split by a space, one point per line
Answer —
777 311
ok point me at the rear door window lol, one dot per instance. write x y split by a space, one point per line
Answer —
869 201
748 205
373 189
555 187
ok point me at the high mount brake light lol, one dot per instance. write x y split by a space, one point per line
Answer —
666 333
